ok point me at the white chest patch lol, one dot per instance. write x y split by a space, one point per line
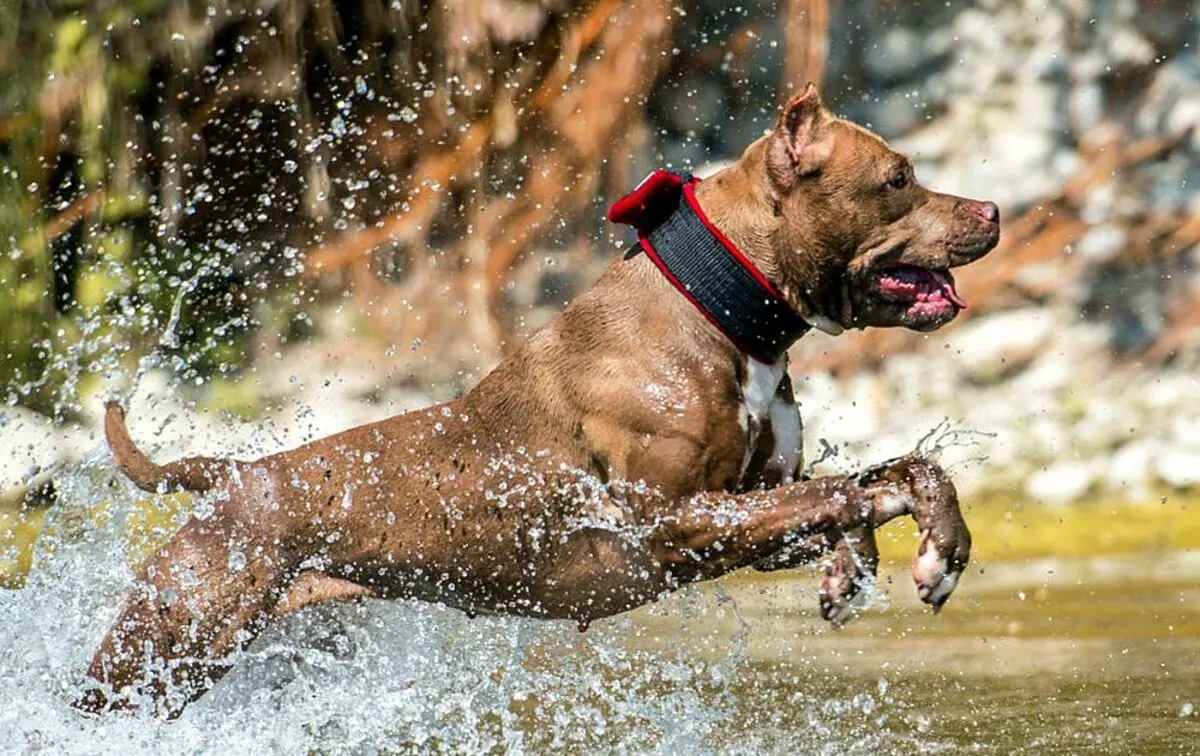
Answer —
760 407
761 384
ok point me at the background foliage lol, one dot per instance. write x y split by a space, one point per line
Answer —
198 185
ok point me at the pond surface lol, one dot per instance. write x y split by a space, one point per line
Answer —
1081 656
1034 654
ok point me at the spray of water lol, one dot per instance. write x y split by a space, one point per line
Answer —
403 676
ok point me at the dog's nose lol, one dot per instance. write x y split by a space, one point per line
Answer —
989 211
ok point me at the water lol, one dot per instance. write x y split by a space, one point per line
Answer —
1084 656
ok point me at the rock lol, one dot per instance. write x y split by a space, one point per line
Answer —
992 347
1166 391
1085 104
1184 116
1061 482
842 414
855 418
1105 425
1178 468
1128 48
1045 437
1098 203
1131 468
1185 428
1030 149
815 392
1102 243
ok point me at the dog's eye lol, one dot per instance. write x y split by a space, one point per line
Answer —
899 181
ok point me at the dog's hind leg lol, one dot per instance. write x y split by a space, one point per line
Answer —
208 592
316 588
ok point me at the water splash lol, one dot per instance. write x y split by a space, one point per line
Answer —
406 676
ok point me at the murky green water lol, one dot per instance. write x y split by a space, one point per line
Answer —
1046 656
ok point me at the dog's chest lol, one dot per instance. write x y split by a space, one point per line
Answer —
765 408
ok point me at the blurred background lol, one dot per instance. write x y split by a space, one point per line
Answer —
262 221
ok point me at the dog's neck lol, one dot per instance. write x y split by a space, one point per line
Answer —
739 201
708 268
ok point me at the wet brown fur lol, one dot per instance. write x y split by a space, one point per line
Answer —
561 487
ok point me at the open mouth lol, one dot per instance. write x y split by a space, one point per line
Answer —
926 291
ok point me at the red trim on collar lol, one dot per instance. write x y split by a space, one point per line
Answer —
641 209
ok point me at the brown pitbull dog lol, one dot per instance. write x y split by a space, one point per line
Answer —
627 449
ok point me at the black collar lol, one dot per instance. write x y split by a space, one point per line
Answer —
707 267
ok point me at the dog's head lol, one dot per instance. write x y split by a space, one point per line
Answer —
856 240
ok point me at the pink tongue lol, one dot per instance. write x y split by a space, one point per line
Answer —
911 283
948 289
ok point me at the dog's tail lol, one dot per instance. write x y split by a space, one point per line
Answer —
197 474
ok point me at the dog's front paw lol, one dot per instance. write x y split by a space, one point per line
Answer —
849 584
920 487
941 558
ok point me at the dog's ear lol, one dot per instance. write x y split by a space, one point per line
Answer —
802 141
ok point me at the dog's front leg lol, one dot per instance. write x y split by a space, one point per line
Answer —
909 485
714 533
850 558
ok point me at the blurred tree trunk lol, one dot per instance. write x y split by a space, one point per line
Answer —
806 31
177 167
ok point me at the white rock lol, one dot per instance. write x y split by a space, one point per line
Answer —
1166 390
1178 468
1102 243
1185 428
1061 482
1184 115
989 347
1126 46
1105 424
1045 376
1130 469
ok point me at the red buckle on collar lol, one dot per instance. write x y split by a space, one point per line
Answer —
650 201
